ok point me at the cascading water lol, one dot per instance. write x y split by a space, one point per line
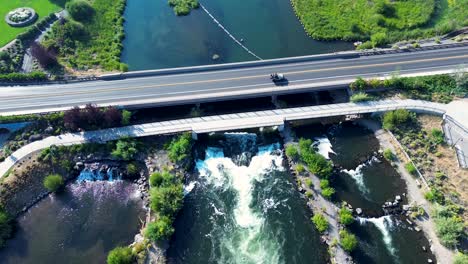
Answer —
324 146
384 224
243 211
358 175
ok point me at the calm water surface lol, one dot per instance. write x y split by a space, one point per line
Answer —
156 38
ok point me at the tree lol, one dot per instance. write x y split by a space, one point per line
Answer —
53 182
93 116
348 241
80 10
46 58
320 222
159 179
120 255
160 229
180 147
346 217
125 149
72 118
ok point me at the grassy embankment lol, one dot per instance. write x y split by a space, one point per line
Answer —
42 7
380 21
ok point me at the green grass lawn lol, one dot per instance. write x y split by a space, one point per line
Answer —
42 7
385 20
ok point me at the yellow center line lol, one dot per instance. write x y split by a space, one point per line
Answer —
229 79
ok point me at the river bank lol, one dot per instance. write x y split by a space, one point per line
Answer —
415 192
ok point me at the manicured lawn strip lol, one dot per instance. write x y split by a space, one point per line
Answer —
363 19
42 7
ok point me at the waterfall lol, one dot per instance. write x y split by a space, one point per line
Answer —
324 147
358 175
384 224
243 239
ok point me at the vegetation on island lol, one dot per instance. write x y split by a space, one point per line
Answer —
180 148
348 241
183 7
438 88
460 258
120 255
449 224
91 38
53 182
6 226
346 216
388 155
166 199
380 21
125 148
320 222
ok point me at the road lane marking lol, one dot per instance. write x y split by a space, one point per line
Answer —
7 98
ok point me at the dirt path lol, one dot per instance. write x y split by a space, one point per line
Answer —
415 194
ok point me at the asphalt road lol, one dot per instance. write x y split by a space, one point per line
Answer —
223 84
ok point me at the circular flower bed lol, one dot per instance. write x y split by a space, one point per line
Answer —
21 17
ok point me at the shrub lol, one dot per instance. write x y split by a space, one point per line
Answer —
320 222
388 154
328 192
348 241
180 147
358 84
125 149
6 227
183 7
324 183
460 258
123 67
300 168
393 119
126 116
317 164
410 168
120 255
80 10
308 183
346 217
434 195
437 136
132 169
159 179
160 229
167 200
53 182
449 230
360 97
379 39
292 152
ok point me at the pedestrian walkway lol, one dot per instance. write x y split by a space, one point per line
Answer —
226 122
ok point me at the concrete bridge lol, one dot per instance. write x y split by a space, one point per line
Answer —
228 122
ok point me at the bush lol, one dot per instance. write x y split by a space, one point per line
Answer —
20 77
160 229
292 152
132 169
159 179
435 196
120 255
346 217
53 182
309 183
317 164
360 97
449 230
379 39
6 227
300 168
410 168
437 136
126 116
328 192
80 10
388 154
394 119
359 84
324 184
180 147
320 222
460 258
125 149
167 200
348 241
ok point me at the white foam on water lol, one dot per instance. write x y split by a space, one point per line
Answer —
246 243
384 224
189 187
324 147
358 176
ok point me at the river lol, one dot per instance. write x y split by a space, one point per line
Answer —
80 225
156 38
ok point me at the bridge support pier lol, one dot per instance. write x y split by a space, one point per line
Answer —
194 135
